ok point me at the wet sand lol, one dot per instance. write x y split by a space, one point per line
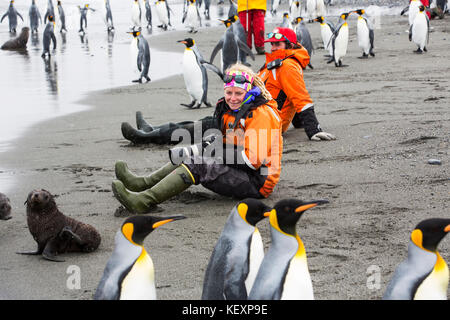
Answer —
390 115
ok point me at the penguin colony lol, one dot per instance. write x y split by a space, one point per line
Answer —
238 268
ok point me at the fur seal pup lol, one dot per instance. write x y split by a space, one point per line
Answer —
53 231
5 207
19 42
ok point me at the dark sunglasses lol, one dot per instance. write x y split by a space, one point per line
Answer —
277 36
237 78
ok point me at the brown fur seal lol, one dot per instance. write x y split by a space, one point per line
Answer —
5 207
53 231
18 43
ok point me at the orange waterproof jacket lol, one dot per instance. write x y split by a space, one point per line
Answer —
259 134
244 5
286 84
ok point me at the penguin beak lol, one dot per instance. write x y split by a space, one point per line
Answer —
447 228
182 41
267 214
310 205
167 220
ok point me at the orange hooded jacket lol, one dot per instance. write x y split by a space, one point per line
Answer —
286 84
259 134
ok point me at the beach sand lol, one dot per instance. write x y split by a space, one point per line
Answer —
390 115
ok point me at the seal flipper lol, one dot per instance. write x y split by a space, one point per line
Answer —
39 251
50 249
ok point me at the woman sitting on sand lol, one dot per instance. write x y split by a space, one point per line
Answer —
243 160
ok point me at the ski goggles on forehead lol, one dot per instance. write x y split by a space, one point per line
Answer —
238 79
277 36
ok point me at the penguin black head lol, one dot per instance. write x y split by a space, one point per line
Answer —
51 18
285 15
345 15
428 233
252 210
287 212
233 18
136 228
360 11
227 22
319 19
298 20
135 32
422 8
59 3
188 42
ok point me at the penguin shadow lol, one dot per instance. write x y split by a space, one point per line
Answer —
34 39
149 30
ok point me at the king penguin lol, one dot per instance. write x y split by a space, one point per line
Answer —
237 254
284 274
50 11
195 76
311 9
420 30
191 17
49 36
62 17
286 23
320 8
108 17
303 36
365 34
148 14
12 14
35 17
163 12
326 32
129 273
136 14
339 41
295 8
412 10
230 46
140 54
424 274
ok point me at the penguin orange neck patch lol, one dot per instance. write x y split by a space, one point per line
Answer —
127 230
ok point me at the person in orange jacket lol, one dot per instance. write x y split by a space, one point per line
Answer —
251 15
283 76
241 159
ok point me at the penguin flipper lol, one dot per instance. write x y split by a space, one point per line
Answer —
244 47
234 285
17 12
216 49
212 68
4 17
410 32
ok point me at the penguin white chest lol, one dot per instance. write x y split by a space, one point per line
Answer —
136 14
326 34
191 16
420 30
193 78
320 8
256 256
311 8
413 10
341 43
434 287
139 283
363 35
161 11
134 51
297 284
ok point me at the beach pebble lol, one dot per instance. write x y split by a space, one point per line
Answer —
434 161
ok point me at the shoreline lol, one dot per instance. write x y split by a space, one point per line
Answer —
390 114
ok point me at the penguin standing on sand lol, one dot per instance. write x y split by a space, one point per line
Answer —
424 274
191 17
420 30
412 10
365 34
311 9
206 12
50 11
241 34
129 273
195 76
49 36
140 54
62 17
303 36
12 14
148 14
237 254
295 9
284 274
35 17
286 23
339 41
320 8
229 45
326 32
163 12
136 14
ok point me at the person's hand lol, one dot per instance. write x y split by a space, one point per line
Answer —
323 136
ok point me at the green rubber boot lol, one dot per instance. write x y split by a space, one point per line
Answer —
143 202
141 183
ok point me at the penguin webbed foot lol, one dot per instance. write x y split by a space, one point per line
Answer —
137 80
188 105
